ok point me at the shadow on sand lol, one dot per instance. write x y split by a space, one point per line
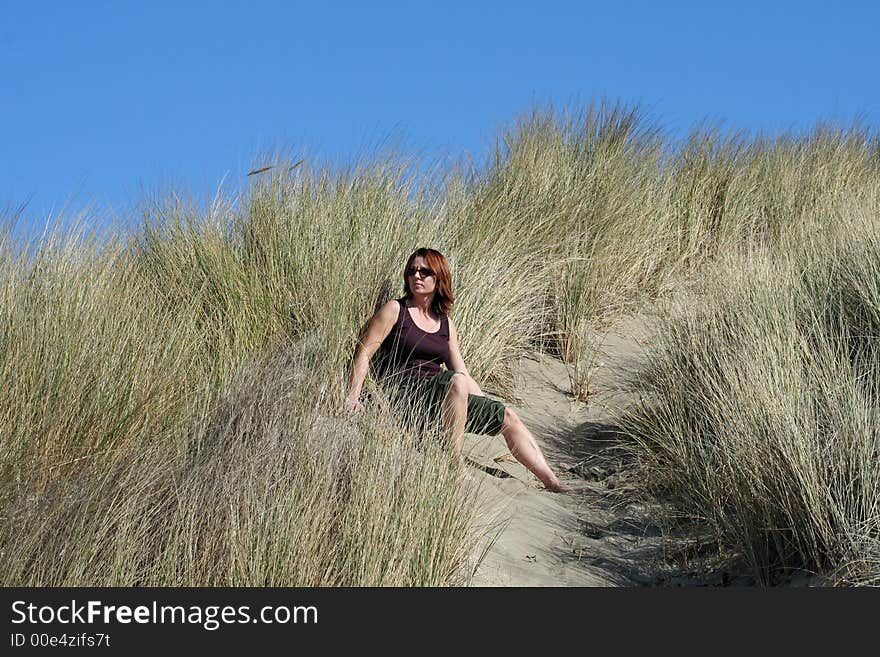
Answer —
627 537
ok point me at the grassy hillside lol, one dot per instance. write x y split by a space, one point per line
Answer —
171 413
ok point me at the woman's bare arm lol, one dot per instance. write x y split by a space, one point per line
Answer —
377 330
457 363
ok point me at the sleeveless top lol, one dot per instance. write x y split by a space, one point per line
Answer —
409 351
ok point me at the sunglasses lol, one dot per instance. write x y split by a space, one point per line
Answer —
424 271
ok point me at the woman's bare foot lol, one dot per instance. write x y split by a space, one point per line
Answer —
558 487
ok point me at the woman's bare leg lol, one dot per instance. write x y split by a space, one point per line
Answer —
519 439
455 413
526 450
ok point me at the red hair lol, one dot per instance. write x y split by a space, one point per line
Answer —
443 297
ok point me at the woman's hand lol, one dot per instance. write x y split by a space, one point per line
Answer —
353 405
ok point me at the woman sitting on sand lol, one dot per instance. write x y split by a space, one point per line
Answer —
415 336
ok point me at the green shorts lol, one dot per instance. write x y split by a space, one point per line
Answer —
484 416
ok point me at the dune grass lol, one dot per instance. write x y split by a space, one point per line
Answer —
759 413
126 353
172 408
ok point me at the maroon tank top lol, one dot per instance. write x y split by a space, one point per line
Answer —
411 351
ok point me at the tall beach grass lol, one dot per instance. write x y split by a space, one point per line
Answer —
759 415
171 412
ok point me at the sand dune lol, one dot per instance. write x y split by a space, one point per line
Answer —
596 537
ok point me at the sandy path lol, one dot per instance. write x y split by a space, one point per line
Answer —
543 539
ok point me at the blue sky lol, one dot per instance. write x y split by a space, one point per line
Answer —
102 101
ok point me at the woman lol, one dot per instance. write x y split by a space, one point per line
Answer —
416 335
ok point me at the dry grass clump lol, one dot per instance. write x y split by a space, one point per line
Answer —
761 413
620 215
729 190
582 189
91 362
270 493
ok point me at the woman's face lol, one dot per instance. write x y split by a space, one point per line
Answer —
418 276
